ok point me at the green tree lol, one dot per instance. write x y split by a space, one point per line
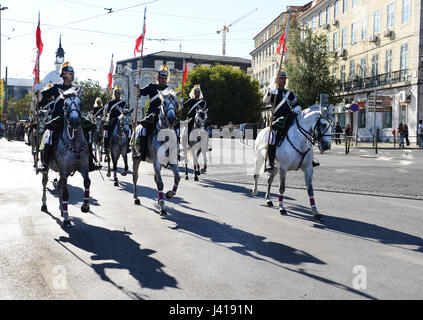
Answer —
231 95
309 67
20 108
90 91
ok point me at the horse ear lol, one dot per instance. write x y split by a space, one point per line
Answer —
131 110
160 95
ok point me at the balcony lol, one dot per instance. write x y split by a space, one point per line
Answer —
373 82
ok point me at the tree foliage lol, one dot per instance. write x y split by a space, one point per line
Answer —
20 108
309 67
90 91
231 95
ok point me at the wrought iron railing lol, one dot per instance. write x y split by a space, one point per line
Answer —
375 81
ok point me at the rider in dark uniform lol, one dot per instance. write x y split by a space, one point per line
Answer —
56 124
112 111
153 111
286 108
98 107
191 106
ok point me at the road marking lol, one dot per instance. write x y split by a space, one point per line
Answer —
404 257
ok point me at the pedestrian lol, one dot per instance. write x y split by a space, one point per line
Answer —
348 135
420 133
338 132
401 134
406 134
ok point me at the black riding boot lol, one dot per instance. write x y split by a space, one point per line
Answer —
271 158
45 158
143 148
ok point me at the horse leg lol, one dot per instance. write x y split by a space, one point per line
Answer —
176 180
87 182
159 183
186 170
269 202
282 177
108 162
115 160
135 166
125 161
308 174
196 165
44 198
64 195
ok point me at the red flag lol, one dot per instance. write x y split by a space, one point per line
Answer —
140 39
38 40
282 43
185 75
110 75
35 72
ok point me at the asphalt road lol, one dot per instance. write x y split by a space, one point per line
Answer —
218 242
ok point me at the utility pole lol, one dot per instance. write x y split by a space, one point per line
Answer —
1 9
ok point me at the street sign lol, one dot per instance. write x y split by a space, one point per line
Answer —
354 107
384 101
379 109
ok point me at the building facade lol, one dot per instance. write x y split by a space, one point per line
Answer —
377 46
127 71
265 59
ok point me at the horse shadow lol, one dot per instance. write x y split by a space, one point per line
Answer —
76 195
358 228
238 189
126 254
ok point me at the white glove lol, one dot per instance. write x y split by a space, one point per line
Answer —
273 91
297 110
37 88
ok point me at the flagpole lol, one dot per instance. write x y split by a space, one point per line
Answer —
37 144
182 92
276 81
139 77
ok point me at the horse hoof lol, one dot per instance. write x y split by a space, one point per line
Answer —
283 212
186 177
137 202
67 223
163 212
318 217
116 184
108 174
123 173
44 208
170 194
85 208
195 178
269 203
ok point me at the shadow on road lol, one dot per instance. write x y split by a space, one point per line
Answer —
359 229
76 195
126 253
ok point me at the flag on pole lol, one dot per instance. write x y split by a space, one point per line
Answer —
282 43
185 74
110 75
38 40
140 39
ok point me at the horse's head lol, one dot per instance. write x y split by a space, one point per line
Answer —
72 106
319 125
125 121
200 118
168 108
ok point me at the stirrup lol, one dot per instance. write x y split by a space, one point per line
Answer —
269 167
43 168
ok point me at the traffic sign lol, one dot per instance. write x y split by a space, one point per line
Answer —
354 107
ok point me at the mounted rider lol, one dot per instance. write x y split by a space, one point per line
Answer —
286 109
152 116
98 107
191 106
56 125
112 111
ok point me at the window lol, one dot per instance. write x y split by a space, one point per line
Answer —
387 119
327 14
363 68
375 62
335 9
343 73
327 44
403 113
335 41
344 38
354 3
376 22
388 61
353 33
320 18
313 23
361 118
390 21
405 11
404 61
364 29
344 6
352 70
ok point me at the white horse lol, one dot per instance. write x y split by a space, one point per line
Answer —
198 142
296 151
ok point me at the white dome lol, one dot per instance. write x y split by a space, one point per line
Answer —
52 77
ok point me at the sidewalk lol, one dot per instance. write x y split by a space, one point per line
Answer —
380 145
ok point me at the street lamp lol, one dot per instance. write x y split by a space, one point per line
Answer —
1 9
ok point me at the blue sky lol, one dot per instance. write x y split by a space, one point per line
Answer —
90 35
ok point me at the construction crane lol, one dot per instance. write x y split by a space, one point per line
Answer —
226 29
